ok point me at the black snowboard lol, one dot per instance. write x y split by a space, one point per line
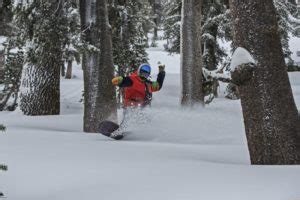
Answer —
107 127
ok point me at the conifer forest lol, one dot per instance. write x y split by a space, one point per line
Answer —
150 99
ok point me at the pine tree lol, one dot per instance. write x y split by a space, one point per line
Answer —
216 26
269 109
171 25
43 25
72 44
157 16
97 62
286 15
16 45
191 62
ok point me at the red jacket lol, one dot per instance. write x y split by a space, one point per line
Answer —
135 95
137 91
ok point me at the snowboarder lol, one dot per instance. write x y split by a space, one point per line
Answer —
138 90
138 86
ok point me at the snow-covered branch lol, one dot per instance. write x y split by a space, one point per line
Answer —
241 68
216 75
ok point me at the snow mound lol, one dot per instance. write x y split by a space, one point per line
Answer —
239 57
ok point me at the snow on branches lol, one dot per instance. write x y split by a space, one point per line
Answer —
2 41
240 69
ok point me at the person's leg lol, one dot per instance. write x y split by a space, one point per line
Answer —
125 120
123 124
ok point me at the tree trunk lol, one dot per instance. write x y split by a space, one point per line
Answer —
2 62
69 70
155 29
154 4
191 58
40 93
40 82
269 110
99 94
62 68
107 101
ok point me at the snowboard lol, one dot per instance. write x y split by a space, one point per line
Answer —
108 127
2 195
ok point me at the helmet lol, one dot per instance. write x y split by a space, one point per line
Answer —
144 70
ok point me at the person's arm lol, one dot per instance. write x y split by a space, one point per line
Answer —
122 81
157 85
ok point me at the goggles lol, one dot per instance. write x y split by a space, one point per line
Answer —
144 74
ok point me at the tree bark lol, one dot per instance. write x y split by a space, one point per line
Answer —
40 82
99 94
107 100
270 113
40 94
69 70
191 58
62 69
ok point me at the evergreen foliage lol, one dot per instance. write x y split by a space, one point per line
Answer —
11 65
12 73
129 21
72 45
289 23
6 15
156 16
216 25
42 26
47 34
172 24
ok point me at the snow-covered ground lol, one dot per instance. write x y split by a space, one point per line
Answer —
294 47
178 154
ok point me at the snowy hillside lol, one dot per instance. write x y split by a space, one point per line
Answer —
173 154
